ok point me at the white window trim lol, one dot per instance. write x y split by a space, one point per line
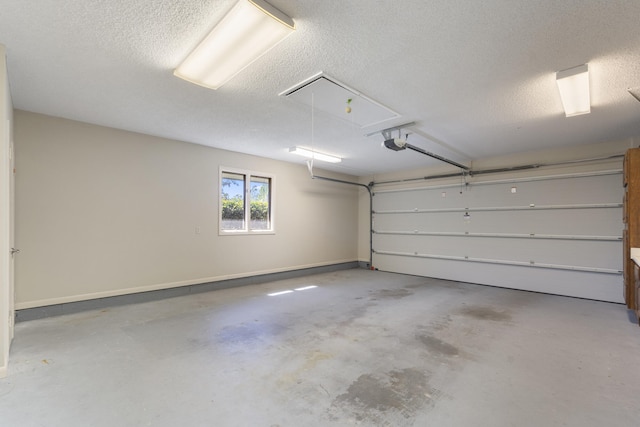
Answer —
272 198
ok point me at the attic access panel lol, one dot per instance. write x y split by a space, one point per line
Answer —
323 93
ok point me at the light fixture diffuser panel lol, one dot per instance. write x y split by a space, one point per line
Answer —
310 154
325 94
573 85
249 30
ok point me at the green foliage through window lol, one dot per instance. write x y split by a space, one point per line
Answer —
234 209
234 199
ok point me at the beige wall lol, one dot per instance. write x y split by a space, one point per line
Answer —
557 155
105 212
6 289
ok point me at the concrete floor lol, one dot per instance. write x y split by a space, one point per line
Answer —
362 348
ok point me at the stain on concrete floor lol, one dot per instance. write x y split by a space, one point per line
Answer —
439 324
247 333
311 360
486 313
391 293
438 347
392 398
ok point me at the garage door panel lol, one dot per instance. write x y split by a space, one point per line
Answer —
591 222
569 283
569 224
588 253
563 191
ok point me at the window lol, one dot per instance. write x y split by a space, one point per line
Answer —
243 195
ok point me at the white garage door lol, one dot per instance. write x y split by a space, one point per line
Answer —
557 234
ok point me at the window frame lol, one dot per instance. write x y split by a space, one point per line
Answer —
248 174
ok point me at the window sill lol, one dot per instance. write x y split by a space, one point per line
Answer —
245 233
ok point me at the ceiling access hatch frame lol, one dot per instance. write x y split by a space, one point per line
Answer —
324 93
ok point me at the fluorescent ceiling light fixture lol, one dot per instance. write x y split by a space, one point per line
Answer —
573 85
249 30
305 288
314 155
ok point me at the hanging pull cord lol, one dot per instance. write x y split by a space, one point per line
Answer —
310 167
313 148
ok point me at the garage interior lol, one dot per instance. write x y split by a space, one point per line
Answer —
460 249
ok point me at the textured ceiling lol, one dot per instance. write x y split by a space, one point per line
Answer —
477 77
